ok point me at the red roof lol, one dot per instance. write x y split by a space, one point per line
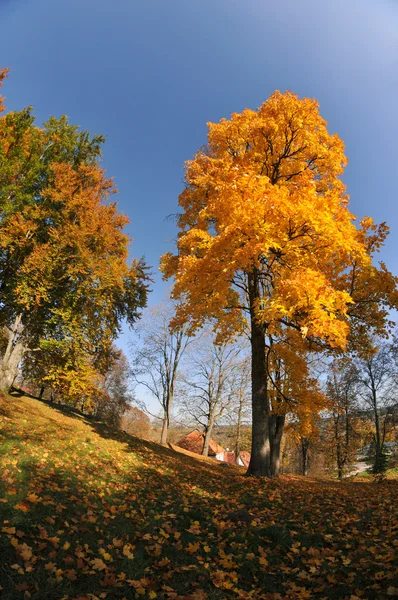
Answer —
245 457
229 457
194 442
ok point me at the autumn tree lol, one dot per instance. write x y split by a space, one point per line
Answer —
114 397
208 385
65 281
238 414
266 238
377 388
340 431
294 394
156 357
135 422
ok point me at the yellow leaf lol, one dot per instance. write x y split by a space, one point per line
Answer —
33 498
25 551
127 551
9 530
23 507
193 548
98 564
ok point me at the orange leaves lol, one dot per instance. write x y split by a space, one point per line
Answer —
23 506
3 75
305 536
64 252
193 547
98 564
33 498
267 195
127 551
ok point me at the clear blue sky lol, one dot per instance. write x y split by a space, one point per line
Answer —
150 74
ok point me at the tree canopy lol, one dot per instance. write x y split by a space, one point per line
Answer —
64 271
267 239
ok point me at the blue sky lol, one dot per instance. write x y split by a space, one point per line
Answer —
150 74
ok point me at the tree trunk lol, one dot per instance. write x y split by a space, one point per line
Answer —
305 443
165 430
12 357
41 392
276 425
238 432
260 455
208 432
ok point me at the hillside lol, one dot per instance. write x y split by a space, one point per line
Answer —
87 512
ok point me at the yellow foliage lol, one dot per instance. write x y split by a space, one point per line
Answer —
265 196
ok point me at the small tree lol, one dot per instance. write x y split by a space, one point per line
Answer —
115 396
208 389
156 358
340 437
135 422
377 379
238 414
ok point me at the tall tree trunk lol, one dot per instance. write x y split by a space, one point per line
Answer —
167 400
378 460
305 443
238 431
276 425
260 454
208 432
12 357
165 430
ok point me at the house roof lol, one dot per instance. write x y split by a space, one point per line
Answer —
245 457
229 457
194 442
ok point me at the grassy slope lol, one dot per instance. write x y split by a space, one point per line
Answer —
86 512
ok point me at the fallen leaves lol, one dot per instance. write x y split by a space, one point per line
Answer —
128 519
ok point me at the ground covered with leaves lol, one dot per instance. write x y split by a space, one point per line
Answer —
87 512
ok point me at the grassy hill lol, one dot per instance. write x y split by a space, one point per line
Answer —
87 512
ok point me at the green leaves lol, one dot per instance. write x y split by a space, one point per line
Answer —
63 251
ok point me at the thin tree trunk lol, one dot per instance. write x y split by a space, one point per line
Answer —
41 392
165 424
260 455
304 456
238 431
276 425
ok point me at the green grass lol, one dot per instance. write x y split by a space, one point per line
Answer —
87 512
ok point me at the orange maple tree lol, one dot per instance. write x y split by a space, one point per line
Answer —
266 238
